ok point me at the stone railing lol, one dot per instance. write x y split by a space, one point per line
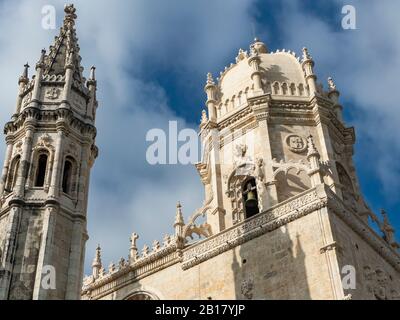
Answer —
281 214
359 226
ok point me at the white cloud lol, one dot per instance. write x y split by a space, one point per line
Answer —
365 64
126 193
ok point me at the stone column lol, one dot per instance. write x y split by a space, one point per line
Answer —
263 138
22 82
217 216
75 260
254 62
211 91
311 78
24 162
10 246
54 190
38 78
326 151
45 254
6 166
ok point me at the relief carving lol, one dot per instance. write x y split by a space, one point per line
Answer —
52 93
247 288
379 284
296 143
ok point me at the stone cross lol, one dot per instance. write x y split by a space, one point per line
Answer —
133 239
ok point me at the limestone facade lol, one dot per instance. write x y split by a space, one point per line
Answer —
45 178
283 216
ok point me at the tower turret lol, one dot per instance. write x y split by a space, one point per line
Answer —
44 185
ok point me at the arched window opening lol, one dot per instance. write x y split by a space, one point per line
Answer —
250 198
67 177
41 170
13 173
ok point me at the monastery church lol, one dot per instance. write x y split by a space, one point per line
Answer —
283 215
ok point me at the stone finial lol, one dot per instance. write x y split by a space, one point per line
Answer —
26 68
92 76
24 78
121 263
97 264
204 118
70 12
312 150
133 251
306 54
179 216
179 225
210 80
40 63
258 47
331 84
167 240
145 250
133 239
388 231
97 258
156 245
241 55
111 267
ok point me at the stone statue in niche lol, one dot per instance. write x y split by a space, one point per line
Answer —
296 143
243 163
260 182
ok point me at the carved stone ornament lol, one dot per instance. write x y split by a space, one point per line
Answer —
380 285
296 143
247 288
27 98
45 141
52 93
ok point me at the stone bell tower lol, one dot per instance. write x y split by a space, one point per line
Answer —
45 179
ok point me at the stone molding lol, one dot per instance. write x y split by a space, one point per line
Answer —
363 230
260 224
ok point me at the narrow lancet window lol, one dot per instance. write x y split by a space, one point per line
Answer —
41 170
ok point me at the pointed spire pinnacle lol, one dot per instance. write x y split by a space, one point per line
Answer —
41 62
70 13
312 150
179 216
92 73
204 118
24 78
97 258
306 54
26 68
258 47
64 53
331 84
210 80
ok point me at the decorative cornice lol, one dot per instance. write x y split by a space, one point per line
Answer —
363 230
260 224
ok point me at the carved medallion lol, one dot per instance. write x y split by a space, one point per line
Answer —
296 143
52 93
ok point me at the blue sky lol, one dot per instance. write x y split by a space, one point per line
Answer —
152 58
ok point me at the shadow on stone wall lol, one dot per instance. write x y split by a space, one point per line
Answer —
270 267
